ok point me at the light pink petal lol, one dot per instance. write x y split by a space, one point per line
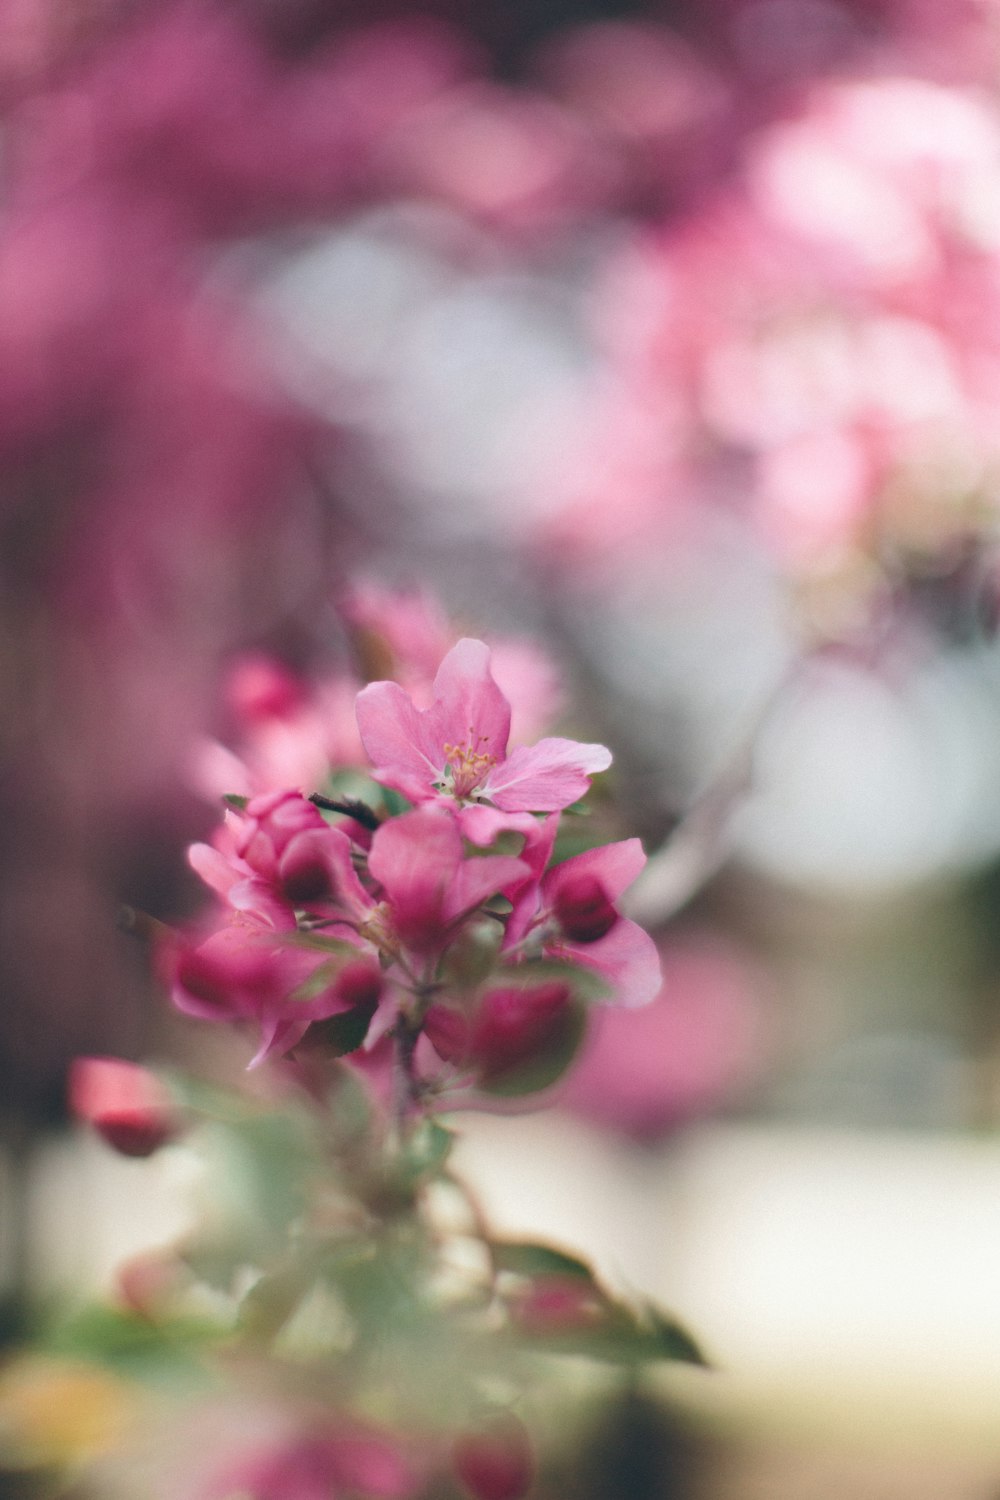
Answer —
545 777
395 738
614 865
468 708
219 873
479 878
258 899
627 958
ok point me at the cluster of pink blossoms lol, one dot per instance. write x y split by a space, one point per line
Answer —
420 923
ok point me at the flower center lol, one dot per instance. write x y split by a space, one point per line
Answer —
380 929
468 765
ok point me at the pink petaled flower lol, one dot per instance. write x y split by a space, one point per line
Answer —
457 748
573 910
246 971
428 882
510 1027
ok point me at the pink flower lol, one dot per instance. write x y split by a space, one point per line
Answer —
572 909
246 971
428 883
457 748
510 1027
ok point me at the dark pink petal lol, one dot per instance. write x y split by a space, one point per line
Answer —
415 858
278 1035
468 709
545 777
479 878
614 865
317 867
396 740
448 1031
584 909
303 873
627 958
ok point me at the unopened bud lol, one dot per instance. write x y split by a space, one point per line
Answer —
514 1025
304 872
584 909
448 1032
495 1462
125 1103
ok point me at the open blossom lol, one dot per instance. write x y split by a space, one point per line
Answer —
420 888
457 748
572 909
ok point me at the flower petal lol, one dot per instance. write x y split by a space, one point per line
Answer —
395 737
414 858
545 777
627 958
468 708
614 865
479 878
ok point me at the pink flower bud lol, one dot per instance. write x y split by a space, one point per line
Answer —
495 1462
514 1024
304 873
448 1032
583 908
126 1104
260 688
556 1304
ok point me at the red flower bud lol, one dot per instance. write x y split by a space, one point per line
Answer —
514 1024
583 908
448 1032
304 873
495 1462
556 1304
126 1104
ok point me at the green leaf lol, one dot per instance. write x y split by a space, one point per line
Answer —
472 957
428 1149
319 980
585 983
238 803
344 1033
669 1339
532 1258
320 941
394 802
134 1346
